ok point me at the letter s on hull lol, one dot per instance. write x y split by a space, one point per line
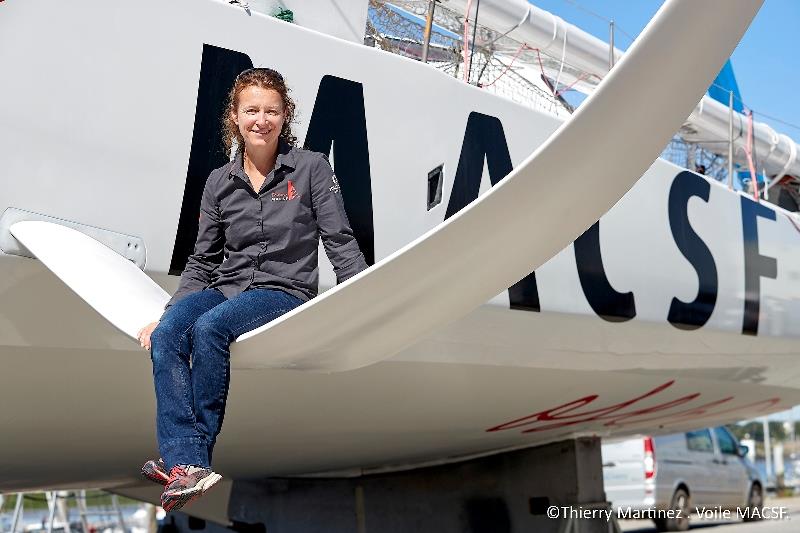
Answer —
695 314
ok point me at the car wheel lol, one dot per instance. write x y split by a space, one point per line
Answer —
680 501
755 504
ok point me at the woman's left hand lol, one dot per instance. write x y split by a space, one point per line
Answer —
144 334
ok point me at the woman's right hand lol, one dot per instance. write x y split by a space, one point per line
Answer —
144 334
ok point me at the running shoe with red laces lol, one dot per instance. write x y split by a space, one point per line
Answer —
156 471
187 483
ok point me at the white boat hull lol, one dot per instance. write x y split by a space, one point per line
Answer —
632 308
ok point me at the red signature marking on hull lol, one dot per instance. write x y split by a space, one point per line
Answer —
565 415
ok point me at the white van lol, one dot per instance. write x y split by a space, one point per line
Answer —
702 468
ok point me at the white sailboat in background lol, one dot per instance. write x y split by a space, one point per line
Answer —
663 321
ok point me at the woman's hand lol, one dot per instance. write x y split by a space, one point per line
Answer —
144 334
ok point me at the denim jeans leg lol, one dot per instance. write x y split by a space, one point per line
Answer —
179 442
212 335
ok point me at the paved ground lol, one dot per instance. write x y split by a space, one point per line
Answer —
789 522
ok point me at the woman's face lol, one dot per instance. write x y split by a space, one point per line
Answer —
260 116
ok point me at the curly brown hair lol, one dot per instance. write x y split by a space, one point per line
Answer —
266 78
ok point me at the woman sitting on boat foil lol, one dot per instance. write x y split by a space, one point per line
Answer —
261 217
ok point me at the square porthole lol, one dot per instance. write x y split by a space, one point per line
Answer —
435 179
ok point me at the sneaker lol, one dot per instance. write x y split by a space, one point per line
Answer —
156 471
187 483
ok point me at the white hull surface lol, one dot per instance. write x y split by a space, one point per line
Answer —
680 310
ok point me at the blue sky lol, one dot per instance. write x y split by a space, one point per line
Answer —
766 62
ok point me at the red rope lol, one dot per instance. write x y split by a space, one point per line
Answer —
467 63
522 47
571 85
791 219
539 56
749 152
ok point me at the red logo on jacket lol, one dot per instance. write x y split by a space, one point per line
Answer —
290 194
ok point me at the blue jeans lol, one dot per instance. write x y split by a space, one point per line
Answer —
190 350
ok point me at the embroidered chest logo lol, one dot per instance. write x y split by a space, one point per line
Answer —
335 187
290 194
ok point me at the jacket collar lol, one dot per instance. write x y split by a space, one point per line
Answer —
286 158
